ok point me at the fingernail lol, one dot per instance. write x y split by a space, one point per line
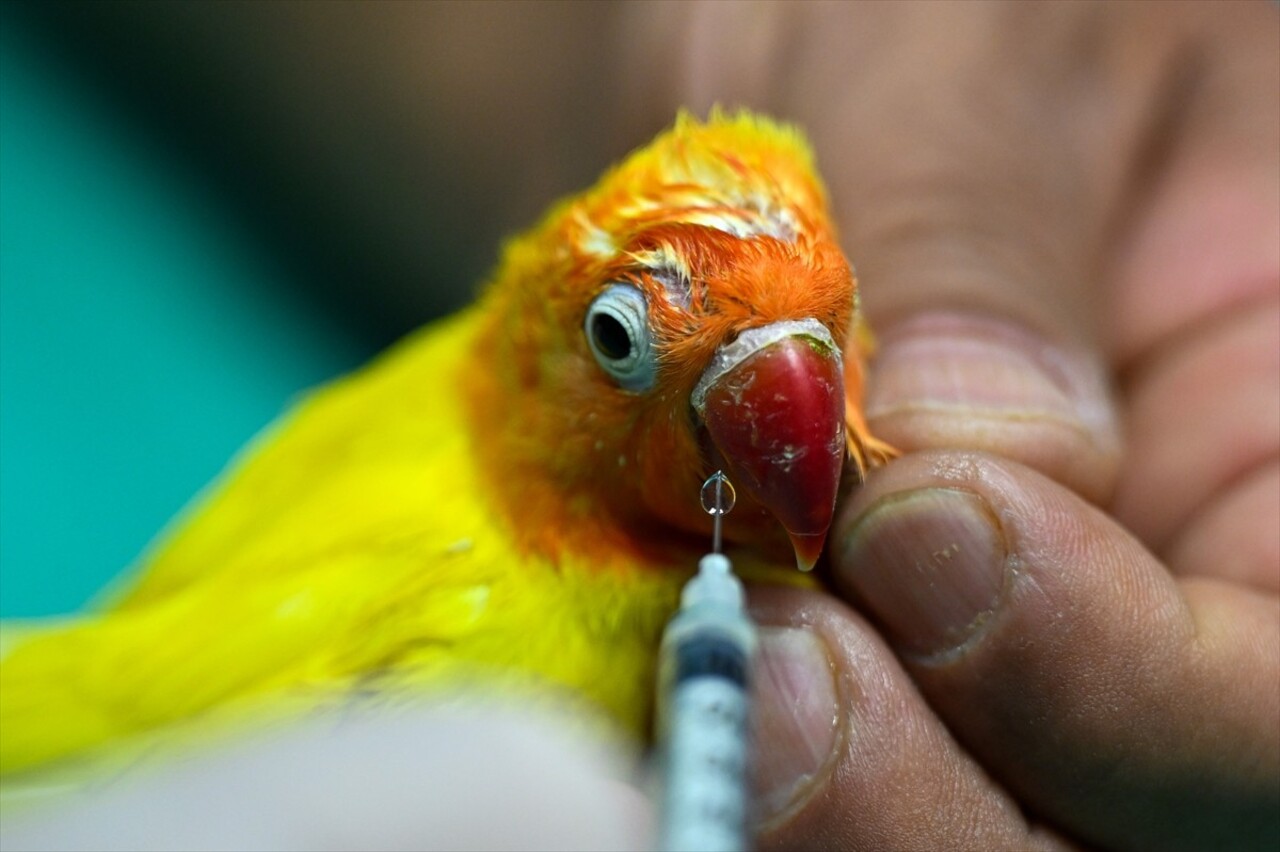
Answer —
796 720
929 565
953 363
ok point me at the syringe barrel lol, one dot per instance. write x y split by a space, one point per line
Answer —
704 706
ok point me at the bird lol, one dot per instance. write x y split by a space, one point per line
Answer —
507 498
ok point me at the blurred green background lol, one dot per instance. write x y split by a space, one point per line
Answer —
207 207
144 336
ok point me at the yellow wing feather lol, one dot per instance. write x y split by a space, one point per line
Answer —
343 547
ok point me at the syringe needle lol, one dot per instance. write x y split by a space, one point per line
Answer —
718 498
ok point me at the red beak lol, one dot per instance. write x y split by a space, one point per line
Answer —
773 403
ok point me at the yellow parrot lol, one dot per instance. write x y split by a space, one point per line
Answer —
509 496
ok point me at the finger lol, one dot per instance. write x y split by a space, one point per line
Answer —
1208 241
1195 313
975 212
477 778
1128 709
848 756
1204 422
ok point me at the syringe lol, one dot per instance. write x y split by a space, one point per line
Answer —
704 700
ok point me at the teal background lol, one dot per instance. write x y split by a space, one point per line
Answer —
144 336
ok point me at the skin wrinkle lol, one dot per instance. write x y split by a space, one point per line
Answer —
1139 370
1062 367
1205 510
1051 448
1191 551
1234 341
994 416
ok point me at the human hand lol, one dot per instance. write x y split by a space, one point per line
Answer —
1052 640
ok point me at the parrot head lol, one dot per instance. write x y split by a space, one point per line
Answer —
687 314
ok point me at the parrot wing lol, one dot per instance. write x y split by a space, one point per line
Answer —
350 550
376 456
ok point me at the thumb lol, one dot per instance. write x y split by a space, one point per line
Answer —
977 211
977 220
1128 708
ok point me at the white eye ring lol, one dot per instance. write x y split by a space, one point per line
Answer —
617 329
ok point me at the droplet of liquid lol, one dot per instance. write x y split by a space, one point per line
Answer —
718 495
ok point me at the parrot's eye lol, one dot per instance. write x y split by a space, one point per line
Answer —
617 328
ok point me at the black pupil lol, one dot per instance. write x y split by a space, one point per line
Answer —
610 336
